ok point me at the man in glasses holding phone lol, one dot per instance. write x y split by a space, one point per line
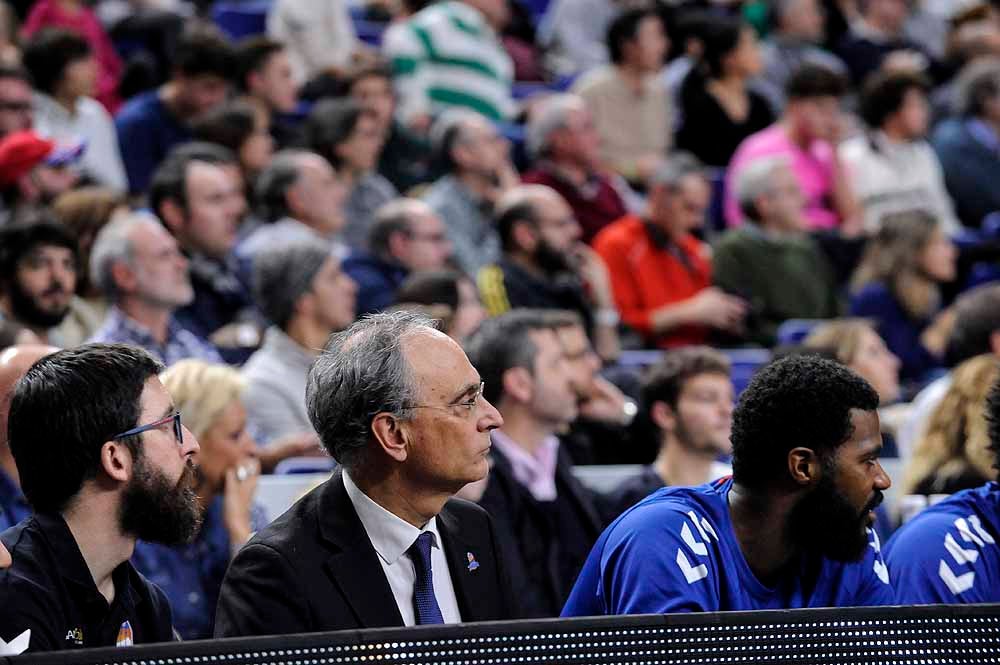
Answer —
103 460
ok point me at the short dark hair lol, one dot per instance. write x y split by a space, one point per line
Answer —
720 38
799 400
229 125
49 52
883 94
665 380
329 124
378 69
977 317
63 411
625 28
502 343
507 218
169 181
811 81
251 55
204 51
993 422
431 287
19 239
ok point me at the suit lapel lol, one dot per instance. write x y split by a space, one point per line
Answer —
353 564
474 580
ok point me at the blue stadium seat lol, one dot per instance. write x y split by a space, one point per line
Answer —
304 465
241 19
793 331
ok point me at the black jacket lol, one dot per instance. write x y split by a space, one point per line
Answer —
314 569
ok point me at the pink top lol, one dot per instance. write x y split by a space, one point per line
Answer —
814 169
82 21
535 472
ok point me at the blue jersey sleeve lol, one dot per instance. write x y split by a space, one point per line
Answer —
874 584
659 558
943 557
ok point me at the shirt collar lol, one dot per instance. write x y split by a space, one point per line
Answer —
390 535
537 472
139 332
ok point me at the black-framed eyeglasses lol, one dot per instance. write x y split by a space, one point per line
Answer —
469 405
175 417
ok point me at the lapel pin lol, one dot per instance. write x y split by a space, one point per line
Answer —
473 564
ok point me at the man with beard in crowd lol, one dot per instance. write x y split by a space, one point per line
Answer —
546 266
37 275
104 461
789 529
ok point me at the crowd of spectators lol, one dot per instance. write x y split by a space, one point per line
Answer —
583 211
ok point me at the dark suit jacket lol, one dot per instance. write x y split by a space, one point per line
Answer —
314 569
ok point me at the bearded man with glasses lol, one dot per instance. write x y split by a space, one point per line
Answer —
104 460
383 542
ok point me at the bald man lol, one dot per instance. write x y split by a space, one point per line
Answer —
14 362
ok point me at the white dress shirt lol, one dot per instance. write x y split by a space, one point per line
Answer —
391 537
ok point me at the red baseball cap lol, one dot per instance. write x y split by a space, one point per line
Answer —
22 151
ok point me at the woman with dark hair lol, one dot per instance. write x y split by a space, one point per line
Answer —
720 109
348 136
243 128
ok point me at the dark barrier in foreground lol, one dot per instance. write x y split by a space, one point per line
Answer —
925 635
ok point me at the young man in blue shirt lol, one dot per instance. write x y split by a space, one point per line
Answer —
790 528
949 553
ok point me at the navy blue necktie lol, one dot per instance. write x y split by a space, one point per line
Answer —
425 605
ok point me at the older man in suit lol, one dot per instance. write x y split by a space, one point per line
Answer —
382 543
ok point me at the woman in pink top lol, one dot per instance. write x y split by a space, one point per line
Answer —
74 15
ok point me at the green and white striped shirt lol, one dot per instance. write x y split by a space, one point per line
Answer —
447 55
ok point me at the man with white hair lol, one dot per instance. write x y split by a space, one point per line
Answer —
564 143
141 270
771 262
406 237
478 171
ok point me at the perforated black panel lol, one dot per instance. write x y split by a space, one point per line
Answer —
928 635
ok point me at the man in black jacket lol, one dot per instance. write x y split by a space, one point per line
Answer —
548 521
382 543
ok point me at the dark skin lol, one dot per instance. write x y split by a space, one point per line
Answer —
761 517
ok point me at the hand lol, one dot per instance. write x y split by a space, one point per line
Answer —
935 336
304 444
594 273
5 560
606 403
905 61
237 499
713 307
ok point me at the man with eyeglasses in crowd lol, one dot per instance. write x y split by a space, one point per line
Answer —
16 111
382 543
104 461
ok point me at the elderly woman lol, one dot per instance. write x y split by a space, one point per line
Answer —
209 397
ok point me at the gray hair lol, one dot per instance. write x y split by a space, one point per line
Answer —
754 180
672 172
275 180
394 217
362 372
550 116
976 84
113 244
281 274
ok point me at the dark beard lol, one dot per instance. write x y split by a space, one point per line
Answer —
154 511
825 523
26 312
552 261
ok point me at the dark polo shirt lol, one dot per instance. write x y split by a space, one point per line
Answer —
50 590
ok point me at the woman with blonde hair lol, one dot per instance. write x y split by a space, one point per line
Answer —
897 286
854 343
210 398
954 452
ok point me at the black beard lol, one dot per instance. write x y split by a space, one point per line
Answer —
27 312
550 260
825 523
154 511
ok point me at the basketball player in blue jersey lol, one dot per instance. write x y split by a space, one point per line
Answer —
791 527
950 552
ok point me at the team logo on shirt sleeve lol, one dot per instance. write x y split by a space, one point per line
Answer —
697 571
971 531
125 637
879 566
